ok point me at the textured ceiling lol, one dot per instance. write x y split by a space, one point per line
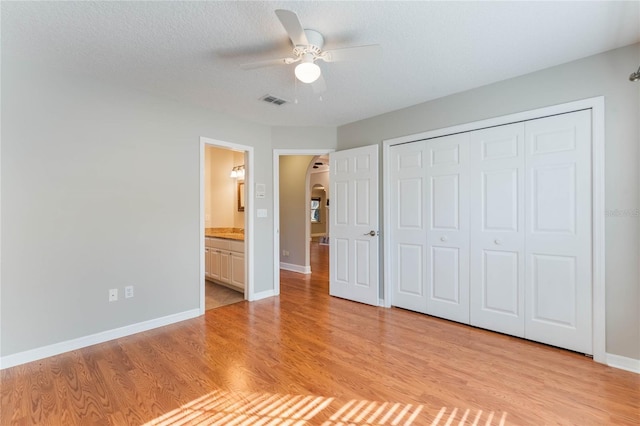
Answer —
191 51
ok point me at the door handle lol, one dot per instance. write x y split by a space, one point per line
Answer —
498 242
443 239
371 233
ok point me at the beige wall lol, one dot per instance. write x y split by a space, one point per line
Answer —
606 75
220 189
293 208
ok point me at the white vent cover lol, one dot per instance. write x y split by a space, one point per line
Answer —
273 100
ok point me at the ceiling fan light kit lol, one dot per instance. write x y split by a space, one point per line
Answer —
307 71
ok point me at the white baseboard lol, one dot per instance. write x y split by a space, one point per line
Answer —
93 339
295 268
623 363
263 295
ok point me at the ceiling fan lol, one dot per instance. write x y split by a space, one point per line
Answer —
307 49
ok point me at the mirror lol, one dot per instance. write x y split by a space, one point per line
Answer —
240 196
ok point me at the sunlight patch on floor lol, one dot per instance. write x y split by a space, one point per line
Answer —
245 409
467 417
358 413
220 408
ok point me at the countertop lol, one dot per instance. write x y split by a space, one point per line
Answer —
236 234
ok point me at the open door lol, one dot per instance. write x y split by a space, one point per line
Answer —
354 241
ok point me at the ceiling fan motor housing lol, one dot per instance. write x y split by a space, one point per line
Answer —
316 42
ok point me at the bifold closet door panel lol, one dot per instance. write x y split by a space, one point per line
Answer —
558 279
447 204
408 219
497 228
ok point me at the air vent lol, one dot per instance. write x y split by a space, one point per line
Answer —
273 100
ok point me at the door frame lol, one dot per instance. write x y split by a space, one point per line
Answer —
596 105
248 215
277 153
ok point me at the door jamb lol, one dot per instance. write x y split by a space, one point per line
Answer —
248 215
596 105
276 204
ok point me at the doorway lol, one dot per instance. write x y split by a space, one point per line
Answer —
300 260
226 223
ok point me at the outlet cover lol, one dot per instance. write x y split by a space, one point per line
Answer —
113 295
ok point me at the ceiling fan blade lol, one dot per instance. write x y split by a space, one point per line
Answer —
352 53
292 25
268 63
319 86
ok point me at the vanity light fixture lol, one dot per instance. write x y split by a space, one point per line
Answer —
237 172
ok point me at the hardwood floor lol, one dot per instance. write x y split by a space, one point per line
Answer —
305 358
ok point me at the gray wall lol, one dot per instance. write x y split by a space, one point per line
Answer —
295 137
100 189
606 75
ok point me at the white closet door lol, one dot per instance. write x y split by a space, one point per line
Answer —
448 227
558 231
497 228
408 219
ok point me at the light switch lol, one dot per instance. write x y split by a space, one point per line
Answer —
261 212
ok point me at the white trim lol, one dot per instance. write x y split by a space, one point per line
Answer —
276 204
264 294
301 269
307 215
596 105
500 121
248 215
599 316
94 339
202 226
386 225
623 363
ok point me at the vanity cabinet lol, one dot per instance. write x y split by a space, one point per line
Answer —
207 261
236 261
224 262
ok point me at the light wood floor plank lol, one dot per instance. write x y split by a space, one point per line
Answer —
305 358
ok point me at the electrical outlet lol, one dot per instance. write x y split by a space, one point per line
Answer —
128 292
285 253
113 294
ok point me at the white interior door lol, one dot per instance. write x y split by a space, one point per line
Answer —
447 204
558 231
353 270
497 228
408 220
